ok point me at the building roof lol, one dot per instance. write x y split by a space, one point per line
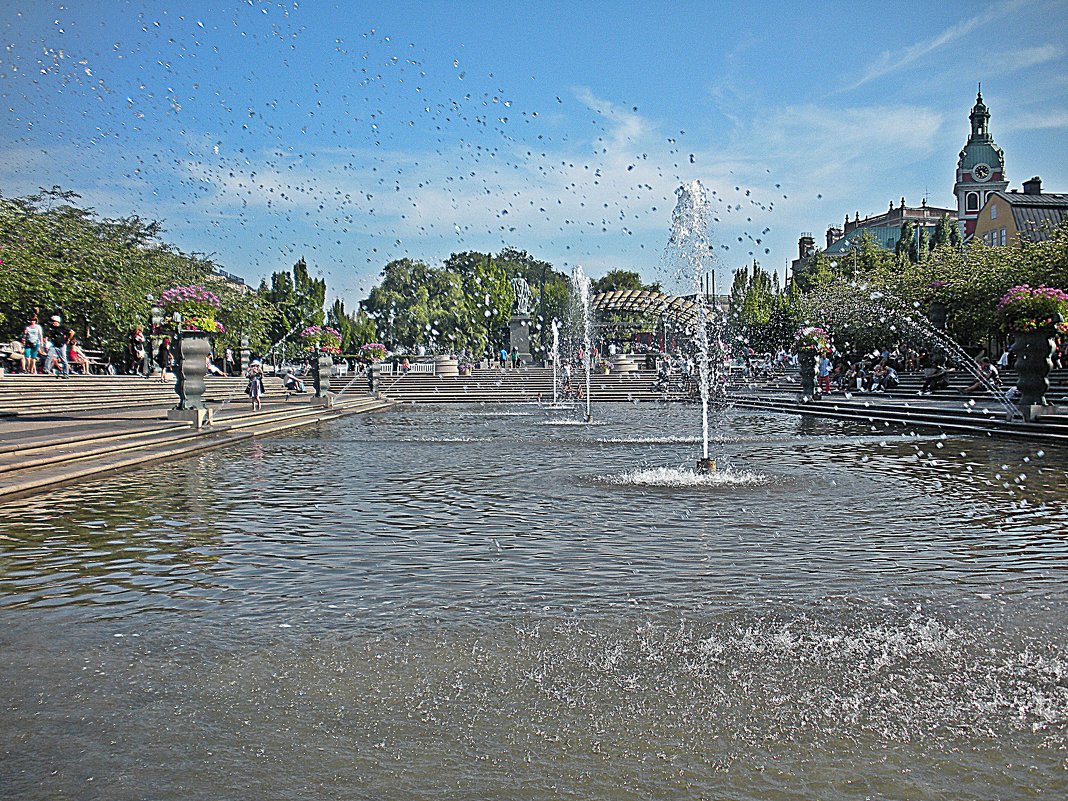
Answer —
885 236
1034 213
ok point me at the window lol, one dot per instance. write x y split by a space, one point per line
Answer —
1003 232
993 211
971 202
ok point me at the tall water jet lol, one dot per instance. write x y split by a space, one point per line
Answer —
582 293
556 361
690 249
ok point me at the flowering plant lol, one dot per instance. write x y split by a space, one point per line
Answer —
193 308
373 352
812 336
324 338
1024 308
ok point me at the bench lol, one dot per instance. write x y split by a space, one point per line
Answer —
97 362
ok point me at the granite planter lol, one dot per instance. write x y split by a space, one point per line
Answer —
1033 365
321 366
191 351
937 313
191 366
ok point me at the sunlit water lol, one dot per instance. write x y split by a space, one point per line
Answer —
466 603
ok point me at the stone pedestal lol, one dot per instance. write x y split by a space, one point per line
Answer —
191 365
446 366
324 401
1033 364
519 336
198 417
625 362
1034 414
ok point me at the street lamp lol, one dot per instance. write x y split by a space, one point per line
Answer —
156 320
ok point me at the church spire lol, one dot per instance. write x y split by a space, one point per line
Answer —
980 117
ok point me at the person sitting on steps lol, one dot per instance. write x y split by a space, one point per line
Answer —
935 375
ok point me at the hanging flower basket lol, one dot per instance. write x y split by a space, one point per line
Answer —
324 338
811 337
192 308
1042 309
373 352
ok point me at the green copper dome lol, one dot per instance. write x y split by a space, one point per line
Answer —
982 153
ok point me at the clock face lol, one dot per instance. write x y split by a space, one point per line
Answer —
981 172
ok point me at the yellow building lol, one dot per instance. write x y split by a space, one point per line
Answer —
1008 217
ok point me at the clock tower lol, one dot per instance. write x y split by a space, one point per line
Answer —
980 169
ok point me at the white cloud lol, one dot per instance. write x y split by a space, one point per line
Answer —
1012 60
890 61
1034 121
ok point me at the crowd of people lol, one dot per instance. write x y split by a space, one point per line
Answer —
47 349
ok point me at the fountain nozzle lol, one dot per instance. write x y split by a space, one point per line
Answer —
706 465
589 418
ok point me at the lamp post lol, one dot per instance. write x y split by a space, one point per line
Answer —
156 321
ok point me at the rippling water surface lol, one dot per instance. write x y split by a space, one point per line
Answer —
474 602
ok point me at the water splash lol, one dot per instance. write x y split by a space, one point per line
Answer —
685 477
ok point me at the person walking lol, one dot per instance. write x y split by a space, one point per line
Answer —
254 389
60 337
824 370
32 337
165 358
135 350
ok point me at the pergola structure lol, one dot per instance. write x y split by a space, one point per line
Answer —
648 304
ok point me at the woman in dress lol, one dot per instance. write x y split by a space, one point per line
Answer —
255 384
165 358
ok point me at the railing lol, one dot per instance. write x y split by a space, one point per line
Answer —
419 367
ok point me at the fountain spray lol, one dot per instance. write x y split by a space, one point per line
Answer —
690 249
582 291
556 361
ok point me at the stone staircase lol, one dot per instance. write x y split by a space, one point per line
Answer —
39 394
54 431
948 409
524 385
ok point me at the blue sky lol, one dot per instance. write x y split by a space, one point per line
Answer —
355 133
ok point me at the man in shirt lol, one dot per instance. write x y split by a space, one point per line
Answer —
60 336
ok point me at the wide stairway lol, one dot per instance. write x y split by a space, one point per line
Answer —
40 394
54 431
948 409
525 385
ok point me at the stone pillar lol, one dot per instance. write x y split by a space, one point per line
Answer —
244 356
519 336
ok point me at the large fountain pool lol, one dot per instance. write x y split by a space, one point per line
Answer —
489 602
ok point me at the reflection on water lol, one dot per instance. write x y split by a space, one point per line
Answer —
467 602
